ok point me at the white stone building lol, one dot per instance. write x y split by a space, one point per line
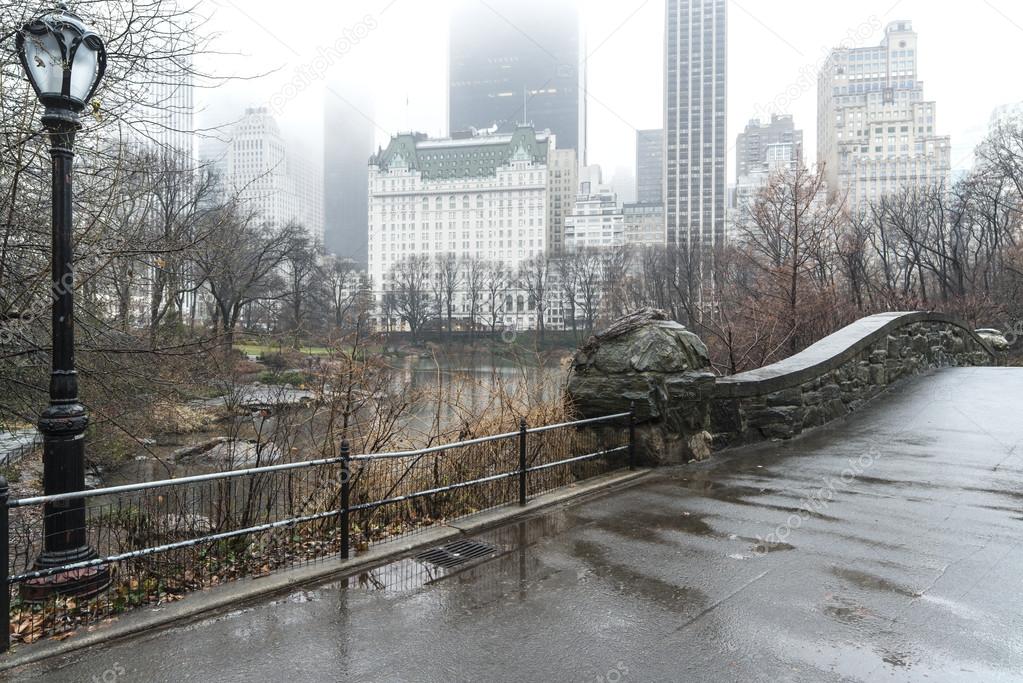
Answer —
777 158
471 197
875 132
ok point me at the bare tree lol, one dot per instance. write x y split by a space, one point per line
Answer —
497 283
535 279
345 287
788 235
411 287
447 278
474 278
240 262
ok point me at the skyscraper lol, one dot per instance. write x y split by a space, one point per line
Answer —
875 132
283 187
518 62
650 166
348 145
695 96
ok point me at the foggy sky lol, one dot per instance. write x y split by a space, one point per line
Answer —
398 49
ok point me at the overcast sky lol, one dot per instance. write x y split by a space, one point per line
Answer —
398 49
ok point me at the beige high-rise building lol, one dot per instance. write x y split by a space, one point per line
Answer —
562 186
875 132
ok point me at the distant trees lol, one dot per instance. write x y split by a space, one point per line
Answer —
474 277
789 239
346 290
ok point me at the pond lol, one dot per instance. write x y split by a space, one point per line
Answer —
448 389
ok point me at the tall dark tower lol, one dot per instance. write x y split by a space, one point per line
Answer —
349 136
518 61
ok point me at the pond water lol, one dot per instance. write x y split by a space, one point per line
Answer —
447 389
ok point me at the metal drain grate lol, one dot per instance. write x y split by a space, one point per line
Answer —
457 553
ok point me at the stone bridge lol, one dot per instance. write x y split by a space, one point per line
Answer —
686 412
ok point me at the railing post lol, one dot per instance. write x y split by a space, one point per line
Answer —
522 461
632 435
5 590
346 495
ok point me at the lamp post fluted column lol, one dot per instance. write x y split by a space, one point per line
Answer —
63 423
51 48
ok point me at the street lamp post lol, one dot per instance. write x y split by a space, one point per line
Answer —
64 60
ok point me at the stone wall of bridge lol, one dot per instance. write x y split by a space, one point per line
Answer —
685 412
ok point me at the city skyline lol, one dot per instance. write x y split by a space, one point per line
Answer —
624 67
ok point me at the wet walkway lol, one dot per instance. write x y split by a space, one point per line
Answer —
887 547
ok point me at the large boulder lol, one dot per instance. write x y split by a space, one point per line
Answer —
656 364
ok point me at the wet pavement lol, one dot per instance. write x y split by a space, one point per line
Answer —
883 548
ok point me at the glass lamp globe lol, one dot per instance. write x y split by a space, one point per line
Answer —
64 60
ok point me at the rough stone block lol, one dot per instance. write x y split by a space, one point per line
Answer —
831 391
786 397
814 417
833 409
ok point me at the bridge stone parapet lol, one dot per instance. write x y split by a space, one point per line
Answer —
684 411
838 374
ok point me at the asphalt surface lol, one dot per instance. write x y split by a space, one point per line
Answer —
886 547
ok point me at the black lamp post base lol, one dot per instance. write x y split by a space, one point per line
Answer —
82 583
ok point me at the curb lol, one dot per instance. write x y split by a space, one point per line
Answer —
245 591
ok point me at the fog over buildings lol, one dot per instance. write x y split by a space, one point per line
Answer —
406 62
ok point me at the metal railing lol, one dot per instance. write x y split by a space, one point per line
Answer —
160 540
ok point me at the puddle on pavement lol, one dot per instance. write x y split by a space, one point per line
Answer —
648 526
847 612
873 582
627 580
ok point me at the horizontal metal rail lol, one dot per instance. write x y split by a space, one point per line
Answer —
43 573
579 458
144 486
592 420
254 471
430 492
434 449
295 521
